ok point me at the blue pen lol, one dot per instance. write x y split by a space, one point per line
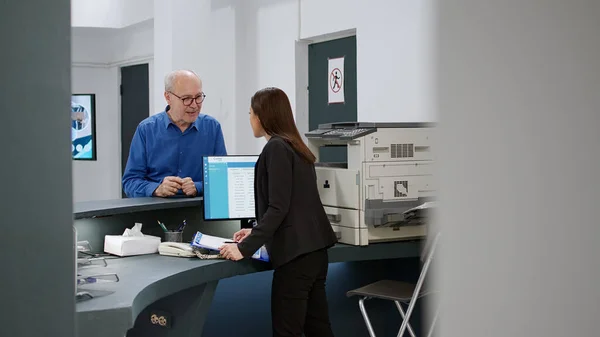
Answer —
182 226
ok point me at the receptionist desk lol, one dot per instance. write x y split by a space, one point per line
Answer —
179 289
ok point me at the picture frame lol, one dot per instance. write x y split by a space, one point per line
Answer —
83 127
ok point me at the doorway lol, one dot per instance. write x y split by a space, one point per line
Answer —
320 111
135 106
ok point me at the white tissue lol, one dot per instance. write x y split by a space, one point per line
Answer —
136 230
132 242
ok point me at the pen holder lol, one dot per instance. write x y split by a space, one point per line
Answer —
173 236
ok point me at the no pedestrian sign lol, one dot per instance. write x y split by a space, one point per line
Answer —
336 80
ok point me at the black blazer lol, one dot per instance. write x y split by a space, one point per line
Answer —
290 219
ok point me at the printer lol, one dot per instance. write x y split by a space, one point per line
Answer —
389 170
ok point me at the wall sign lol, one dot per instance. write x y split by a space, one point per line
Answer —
336 80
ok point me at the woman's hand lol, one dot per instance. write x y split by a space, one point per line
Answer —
231 252
240 235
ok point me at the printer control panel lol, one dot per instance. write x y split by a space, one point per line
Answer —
340 133
318 133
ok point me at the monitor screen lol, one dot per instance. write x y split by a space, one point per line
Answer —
229 187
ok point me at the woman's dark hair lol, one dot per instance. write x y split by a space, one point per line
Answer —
273 109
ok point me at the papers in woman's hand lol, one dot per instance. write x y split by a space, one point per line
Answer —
214 242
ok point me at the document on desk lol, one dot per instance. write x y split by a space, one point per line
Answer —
208 241
214 242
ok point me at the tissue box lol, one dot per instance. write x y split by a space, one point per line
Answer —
131 245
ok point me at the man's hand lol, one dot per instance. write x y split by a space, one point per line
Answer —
169 187
188 187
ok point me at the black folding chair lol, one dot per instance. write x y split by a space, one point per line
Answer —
400 293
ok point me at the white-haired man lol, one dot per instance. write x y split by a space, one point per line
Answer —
165 158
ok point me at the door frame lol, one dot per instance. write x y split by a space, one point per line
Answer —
302 74
150 62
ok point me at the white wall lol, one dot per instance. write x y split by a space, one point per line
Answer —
394 53
95 13
100 47
109 13
135 11
319 17
162 50
265 56
97 180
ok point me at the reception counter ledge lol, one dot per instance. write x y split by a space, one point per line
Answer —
101 208
149 280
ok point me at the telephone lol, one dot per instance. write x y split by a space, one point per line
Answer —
176 249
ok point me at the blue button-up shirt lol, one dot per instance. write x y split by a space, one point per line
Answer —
159 149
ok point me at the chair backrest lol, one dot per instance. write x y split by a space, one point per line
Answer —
431 242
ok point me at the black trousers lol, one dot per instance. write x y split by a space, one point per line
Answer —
298 298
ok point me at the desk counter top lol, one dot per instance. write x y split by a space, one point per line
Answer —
148 278
91 209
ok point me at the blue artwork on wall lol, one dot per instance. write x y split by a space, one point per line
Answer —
83 126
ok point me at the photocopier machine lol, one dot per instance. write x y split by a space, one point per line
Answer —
388 174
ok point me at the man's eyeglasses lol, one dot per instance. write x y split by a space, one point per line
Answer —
187 101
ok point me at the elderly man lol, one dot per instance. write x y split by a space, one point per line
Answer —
165 158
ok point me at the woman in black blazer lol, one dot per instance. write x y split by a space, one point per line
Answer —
291 221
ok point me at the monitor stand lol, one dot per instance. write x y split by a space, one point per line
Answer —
246 223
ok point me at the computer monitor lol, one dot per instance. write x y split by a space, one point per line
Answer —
229 188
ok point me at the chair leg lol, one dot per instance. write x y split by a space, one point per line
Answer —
435 317
404 318
416 292
361 305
